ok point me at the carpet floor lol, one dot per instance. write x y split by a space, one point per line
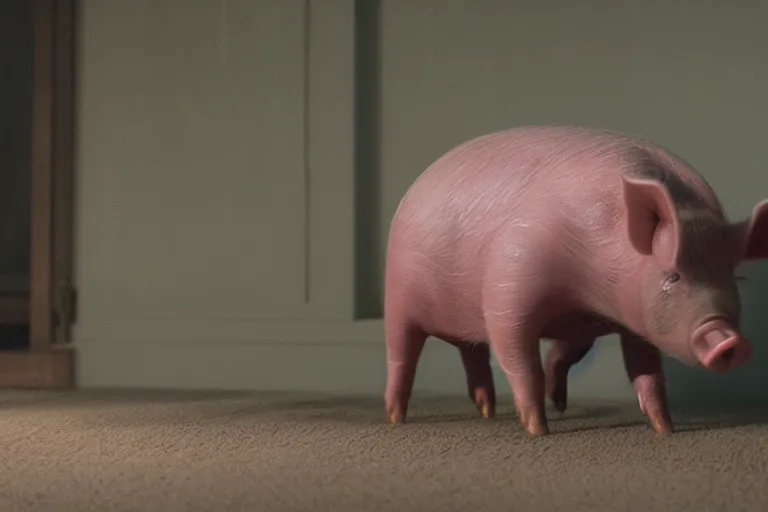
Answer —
194 451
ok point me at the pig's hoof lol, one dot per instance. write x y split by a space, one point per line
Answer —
662 426
486 411
538 431
535 423
395 417
485 402
486 408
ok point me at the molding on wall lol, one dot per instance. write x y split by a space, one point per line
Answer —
368 250
330 158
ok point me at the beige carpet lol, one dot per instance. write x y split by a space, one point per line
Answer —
144 451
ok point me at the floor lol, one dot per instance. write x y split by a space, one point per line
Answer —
187 451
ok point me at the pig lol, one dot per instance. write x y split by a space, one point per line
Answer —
566 233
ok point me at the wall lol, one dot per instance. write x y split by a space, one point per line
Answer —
230 235
216 206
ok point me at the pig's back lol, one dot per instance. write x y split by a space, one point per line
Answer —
480 186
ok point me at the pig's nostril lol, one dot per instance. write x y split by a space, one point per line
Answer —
719 348
727 356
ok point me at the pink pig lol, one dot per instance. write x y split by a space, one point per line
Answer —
566 233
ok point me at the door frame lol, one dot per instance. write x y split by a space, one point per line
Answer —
49 362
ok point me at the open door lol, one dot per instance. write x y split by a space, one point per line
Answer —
37 298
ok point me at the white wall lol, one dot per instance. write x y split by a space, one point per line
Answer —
216 222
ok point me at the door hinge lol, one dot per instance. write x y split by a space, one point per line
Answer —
65 310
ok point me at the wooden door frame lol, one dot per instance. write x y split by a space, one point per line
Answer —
49 362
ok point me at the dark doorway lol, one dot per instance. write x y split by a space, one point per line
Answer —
36 189
16 90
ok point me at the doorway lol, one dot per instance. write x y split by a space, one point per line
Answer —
37 298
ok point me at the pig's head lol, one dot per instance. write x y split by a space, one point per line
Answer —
689 304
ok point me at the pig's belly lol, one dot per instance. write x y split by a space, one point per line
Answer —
460 334
455 327
579 326
463 321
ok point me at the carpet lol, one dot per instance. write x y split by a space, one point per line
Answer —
195 451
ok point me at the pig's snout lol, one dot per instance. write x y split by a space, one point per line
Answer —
719 347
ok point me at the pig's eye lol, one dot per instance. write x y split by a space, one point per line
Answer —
672 278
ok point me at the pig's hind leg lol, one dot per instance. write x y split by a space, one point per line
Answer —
562 356
476 358
405 343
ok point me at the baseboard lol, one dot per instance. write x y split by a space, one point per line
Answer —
342 366
52 369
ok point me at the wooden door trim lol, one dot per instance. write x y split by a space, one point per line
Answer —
41 252
49 363
63 150
52 169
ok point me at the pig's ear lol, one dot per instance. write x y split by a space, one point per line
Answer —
752 234
652 222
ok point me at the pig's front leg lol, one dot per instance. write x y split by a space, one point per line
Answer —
476 358
517 350
563 355
643 364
